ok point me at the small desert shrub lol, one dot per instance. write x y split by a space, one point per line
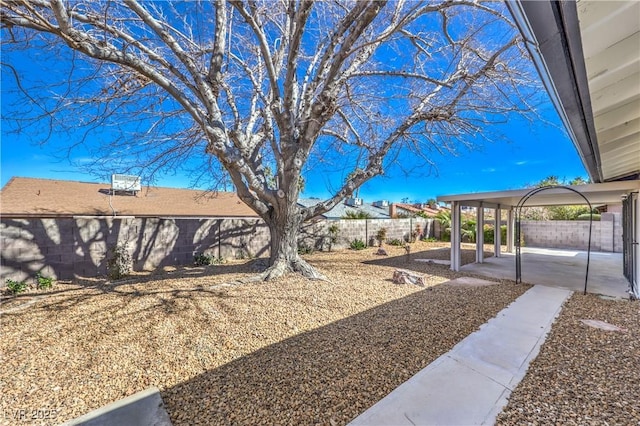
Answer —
357 244
43 282
567 212
16 287
395 242
305 249
202 259
381 236
120 262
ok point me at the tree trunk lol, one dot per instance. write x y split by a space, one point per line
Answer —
284 225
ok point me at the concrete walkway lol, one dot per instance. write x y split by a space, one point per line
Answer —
470 384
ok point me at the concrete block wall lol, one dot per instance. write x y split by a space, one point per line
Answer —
63 248
315 235
606 234
366 230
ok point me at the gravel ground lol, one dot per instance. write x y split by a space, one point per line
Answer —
583 375
291 351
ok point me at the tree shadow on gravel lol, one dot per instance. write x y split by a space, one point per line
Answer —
97 286
409 261
107 285
331 374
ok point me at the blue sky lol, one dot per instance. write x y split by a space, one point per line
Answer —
525 153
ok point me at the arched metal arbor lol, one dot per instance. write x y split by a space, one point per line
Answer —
519 207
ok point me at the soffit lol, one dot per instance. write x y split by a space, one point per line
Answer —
610 32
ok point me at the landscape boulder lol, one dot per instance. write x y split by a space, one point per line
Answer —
401 276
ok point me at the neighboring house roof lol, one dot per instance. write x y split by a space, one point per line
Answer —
413 209
29 197
341 210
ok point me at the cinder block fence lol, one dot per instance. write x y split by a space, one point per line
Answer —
63 248
606 234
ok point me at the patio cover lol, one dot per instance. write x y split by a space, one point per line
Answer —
597 194
588 56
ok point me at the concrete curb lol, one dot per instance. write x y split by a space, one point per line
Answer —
144 408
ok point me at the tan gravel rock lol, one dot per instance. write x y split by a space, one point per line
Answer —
291 351
583 375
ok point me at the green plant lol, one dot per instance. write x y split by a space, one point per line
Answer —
431 240
468 231
567 212
444 220
357 244
488 234
359 214
16 287
395 242
43 282
333 235
305 249
120 262
381 236
202 259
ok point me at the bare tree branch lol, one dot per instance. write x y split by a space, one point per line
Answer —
261 92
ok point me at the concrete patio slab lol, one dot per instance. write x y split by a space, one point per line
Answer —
559 268
470 384
144 408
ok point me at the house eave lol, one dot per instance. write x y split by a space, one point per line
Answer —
552 35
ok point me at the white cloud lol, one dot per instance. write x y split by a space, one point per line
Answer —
527 162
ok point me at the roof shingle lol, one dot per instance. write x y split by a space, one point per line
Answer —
342 209
23 197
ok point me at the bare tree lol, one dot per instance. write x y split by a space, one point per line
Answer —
266 88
